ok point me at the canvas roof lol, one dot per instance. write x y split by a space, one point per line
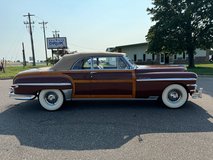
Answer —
67 61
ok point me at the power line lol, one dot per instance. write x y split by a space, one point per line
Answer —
56 34
31 34
52 27
45 44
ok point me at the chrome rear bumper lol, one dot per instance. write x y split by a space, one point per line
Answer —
20 96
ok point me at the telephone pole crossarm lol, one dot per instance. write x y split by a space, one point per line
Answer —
55 33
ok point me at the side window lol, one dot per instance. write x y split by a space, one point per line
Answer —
78 65
104 63
109 63
101 63
83 64
97 63
87 63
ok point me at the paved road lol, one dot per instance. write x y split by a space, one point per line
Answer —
106 129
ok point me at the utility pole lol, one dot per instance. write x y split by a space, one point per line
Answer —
23 51
55 33
31 34
3 65
45 43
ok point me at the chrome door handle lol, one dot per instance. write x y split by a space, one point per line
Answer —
92 74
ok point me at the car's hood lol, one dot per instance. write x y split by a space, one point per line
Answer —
160 68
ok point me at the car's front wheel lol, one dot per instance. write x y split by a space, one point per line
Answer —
174 96
51 99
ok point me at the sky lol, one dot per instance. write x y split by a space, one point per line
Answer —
89 25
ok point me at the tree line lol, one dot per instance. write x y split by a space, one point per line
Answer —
181 26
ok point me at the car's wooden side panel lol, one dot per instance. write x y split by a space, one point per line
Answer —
80 88
84 84
103 83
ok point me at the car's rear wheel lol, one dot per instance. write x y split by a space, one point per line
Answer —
174 96
51 99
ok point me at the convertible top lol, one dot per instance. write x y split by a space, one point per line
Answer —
67 61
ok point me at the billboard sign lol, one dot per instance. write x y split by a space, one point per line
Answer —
57 43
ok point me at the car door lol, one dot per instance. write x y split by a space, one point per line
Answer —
111 77
81 75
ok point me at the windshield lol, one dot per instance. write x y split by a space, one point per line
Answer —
132 64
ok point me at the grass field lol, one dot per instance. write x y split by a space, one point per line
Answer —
203 69
11 71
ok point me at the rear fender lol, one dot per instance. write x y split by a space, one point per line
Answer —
32 84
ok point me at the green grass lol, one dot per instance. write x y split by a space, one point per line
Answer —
11 71
202 69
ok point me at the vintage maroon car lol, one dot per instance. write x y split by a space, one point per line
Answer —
104 76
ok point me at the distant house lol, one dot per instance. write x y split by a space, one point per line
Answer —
137 52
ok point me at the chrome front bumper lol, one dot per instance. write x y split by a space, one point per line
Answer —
197 93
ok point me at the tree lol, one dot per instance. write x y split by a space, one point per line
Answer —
181 26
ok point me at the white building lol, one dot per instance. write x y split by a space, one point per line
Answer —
137 52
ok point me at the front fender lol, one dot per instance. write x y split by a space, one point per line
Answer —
153 84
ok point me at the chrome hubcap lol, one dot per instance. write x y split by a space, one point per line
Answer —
51 98
174 95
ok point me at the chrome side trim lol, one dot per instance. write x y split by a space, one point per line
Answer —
191 85
166 79
67 94
14 86
151 98
43 84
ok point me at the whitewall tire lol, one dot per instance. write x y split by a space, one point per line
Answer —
51 99
174 96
